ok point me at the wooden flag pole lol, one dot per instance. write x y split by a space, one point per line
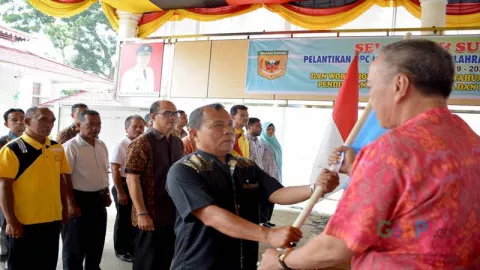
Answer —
318 193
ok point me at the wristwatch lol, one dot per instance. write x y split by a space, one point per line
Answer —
282 258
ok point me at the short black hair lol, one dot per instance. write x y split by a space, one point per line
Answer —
82 116
155 107
78 105
196 117
181 112
236 108
12 110
252 121
129 119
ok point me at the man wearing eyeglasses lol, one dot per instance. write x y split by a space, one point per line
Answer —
149 158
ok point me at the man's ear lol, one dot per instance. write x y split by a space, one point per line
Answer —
72 115
402 86
5 124
27 121
193 132
77 125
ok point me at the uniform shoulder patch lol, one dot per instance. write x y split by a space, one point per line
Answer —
198 163
244 162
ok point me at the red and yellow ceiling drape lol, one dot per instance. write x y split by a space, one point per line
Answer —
309 14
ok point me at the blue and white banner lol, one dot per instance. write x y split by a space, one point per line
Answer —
318 65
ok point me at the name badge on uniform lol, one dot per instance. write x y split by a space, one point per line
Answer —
247 185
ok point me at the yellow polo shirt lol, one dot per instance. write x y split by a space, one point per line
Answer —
36 170
241 147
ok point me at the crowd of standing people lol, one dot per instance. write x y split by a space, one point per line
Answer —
203 198
72 192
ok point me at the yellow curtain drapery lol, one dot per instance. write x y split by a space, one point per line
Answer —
313 22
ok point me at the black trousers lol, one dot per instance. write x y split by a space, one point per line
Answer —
37 249
123 231
3 238
154 249
266 212
84 236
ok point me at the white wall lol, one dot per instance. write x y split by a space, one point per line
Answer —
8 88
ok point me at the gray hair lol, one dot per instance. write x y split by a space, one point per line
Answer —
129 119
196 117
429 66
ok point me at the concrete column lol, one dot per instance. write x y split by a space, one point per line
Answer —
433 14
127 24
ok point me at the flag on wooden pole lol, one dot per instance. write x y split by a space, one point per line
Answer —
344 117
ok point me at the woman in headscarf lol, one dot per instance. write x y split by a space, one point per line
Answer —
272 157
272 164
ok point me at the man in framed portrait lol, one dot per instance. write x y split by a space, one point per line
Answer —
139 78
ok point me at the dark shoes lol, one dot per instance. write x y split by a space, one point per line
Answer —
127 257
268 224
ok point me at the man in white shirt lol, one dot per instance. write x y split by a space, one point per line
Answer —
84 233
123 232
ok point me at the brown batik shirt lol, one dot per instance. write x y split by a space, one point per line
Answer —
67 134
151 155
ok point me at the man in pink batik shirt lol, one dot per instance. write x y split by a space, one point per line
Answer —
413 201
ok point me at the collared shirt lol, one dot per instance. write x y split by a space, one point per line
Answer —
413 199
67 134
151 156
7 138
181 134
89 164
200 180
241 147
189 145
36 169
119 154
256 149
138 79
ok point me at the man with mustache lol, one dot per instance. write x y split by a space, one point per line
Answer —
84 234
123 232
217 196
149 158
32 195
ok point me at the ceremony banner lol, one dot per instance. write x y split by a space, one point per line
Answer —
318 65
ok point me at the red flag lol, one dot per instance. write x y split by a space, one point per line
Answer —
344 117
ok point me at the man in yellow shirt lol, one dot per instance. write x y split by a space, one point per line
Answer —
241 147
32 195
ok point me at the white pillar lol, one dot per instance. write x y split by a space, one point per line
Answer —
127 24
433 14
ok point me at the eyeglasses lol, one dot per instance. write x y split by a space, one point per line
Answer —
168 114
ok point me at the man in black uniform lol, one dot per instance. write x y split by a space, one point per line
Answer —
217 197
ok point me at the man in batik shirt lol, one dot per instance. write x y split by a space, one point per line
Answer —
189 145
149 157
413 184
256 147
72 130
